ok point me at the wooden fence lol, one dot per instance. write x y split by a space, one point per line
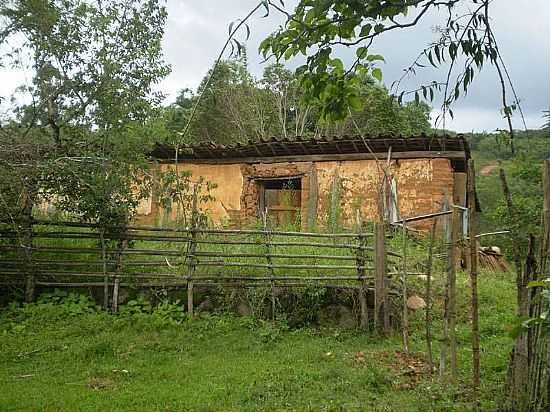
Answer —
44 253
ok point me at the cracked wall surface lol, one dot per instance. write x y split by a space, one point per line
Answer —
422 185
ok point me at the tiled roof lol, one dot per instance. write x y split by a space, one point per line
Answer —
281 147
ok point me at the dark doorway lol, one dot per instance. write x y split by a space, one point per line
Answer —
282 199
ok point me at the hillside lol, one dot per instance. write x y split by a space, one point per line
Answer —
523 173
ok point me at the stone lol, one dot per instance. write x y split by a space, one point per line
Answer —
206 306
243 309
416 302
339 316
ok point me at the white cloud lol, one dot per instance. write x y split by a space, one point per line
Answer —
480 119
197 29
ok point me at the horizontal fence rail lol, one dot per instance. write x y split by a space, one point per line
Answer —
46 253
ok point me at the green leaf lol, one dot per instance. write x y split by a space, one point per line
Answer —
361 52
539 284
365 30
431 59
288 53
377 74
375 57
355 103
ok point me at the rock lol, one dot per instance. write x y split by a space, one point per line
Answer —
422 277
243 309
416 303
206 306
123 296
339 316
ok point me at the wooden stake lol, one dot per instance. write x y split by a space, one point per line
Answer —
27 247
405 315
539 372
429 349
381 310
517 384
191 259
445 339
361 274
456 224
473 277
104 264
271 272
118 268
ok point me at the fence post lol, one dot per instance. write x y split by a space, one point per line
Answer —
381 310
361 263
192 248
27 247
405 314
473 275
104 267
456 221
122 244
429 297
539 373
271 274
445 338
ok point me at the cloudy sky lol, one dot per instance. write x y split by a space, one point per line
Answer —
197 29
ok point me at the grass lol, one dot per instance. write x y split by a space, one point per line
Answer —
63 357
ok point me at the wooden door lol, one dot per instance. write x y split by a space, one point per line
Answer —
283 206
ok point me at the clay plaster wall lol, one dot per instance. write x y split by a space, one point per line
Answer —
227 194
421 186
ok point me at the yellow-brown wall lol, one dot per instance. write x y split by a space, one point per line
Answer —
421 186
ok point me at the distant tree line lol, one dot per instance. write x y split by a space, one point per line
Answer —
238 107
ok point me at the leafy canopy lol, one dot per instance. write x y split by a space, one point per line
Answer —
318 30
236 107
93 66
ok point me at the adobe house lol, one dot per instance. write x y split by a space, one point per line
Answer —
305 180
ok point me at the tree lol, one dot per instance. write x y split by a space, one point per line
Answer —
232 108
237 108
176 115
294 117
93 65
318 30
380 114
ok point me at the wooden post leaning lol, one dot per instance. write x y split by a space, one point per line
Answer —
473 276
192 248
381 307
361 262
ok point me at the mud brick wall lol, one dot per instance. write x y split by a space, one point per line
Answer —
422 185
250 172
